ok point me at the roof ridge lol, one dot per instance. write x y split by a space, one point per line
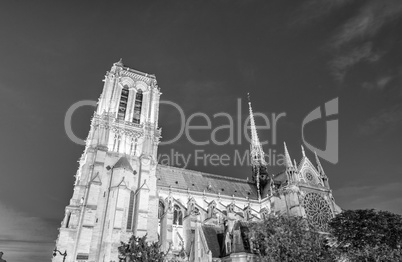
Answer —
152 76
208 174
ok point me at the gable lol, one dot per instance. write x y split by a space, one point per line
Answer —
96 179
123 163
308 173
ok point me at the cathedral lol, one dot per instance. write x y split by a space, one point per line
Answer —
121 190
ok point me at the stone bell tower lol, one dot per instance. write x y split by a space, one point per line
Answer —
115 188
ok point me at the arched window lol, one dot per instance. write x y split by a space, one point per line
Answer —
130 211
137 107
211 210
161 210
177 216
123 103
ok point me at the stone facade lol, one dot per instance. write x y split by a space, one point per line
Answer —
121 190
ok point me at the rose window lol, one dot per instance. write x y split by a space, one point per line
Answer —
317 210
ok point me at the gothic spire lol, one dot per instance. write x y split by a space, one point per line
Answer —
256 152
116 66
303 152
319 166
120 62
288 160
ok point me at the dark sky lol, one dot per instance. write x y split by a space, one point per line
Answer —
292 56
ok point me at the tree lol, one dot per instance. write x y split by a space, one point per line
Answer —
287 238
367 235
138 249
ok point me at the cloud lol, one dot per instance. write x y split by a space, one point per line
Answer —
379 84
371 17
386 84
18 226
388 119
355 38
383 197
353 41
342 63
26 251
24 237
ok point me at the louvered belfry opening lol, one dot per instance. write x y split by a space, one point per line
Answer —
137 107
123 103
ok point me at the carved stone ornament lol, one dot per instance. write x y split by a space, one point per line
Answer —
145 160
231 208
195 211
169 204
317 210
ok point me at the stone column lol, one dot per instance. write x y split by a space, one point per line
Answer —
142 198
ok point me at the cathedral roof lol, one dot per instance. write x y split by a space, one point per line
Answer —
280 177
212 238
197 181
124 163
242 245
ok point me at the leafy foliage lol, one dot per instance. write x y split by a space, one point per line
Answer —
367 254
367 235
287 238
138 249
360 228
355 235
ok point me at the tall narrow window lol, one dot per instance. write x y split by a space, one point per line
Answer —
161 210
123 103
227 247
68 219
161 213
177 216
137 107
130 211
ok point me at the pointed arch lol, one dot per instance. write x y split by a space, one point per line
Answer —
211 209
130 211
177 215
161 209
137 107
123 103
